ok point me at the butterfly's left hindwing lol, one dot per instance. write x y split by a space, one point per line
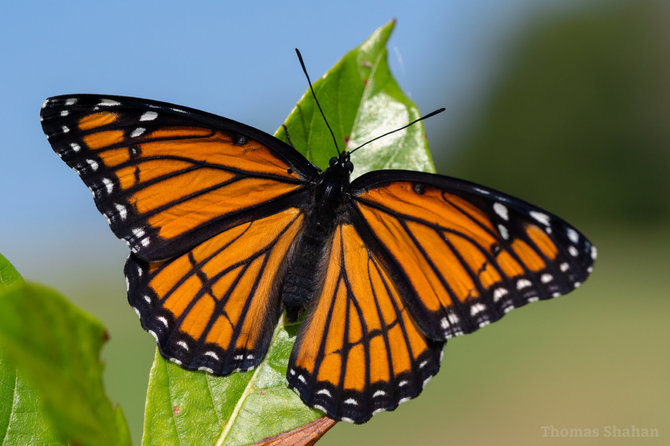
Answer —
462 254
215 307
169 177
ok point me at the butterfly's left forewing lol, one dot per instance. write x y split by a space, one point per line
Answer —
168 177
464 255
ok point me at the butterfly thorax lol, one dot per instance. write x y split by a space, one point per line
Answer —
306 269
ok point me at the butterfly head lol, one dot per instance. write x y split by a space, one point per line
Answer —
342 163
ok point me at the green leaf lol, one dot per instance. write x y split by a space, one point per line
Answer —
56 347
22 420
8 274
361 100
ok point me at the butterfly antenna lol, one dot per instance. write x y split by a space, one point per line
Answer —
302 64
433 113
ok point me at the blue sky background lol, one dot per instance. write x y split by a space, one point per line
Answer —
225 58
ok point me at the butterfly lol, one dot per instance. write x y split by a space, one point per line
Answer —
228 226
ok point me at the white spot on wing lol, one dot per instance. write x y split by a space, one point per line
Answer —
70 101
137 132
504 233
499 293
482 191
564 266
149 116
65 129
64 113
121 209
324 392
573 251
94 165
501 210
108 185
453 317
162 320
378 393
541 217
444 323
76 147
477 308
183 345
573 235
346 420
351 401
546 278
108 102
523 283
211 354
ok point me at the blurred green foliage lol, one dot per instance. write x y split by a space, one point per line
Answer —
577 118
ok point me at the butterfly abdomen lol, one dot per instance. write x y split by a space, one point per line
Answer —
308 262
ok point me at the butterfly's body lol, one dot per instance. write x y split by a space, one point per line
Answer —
306 268
228 225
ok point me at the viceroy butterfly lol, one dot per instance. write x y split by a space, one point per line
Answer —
228 225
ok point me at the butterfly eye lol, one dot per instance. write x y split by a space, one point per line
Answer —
332 161
350 166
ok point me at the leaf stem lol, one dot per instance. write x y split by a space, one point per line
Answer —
247 390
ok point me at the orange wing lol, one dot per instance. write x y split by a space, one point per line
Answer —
168 177
214 308
464 255
360 351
